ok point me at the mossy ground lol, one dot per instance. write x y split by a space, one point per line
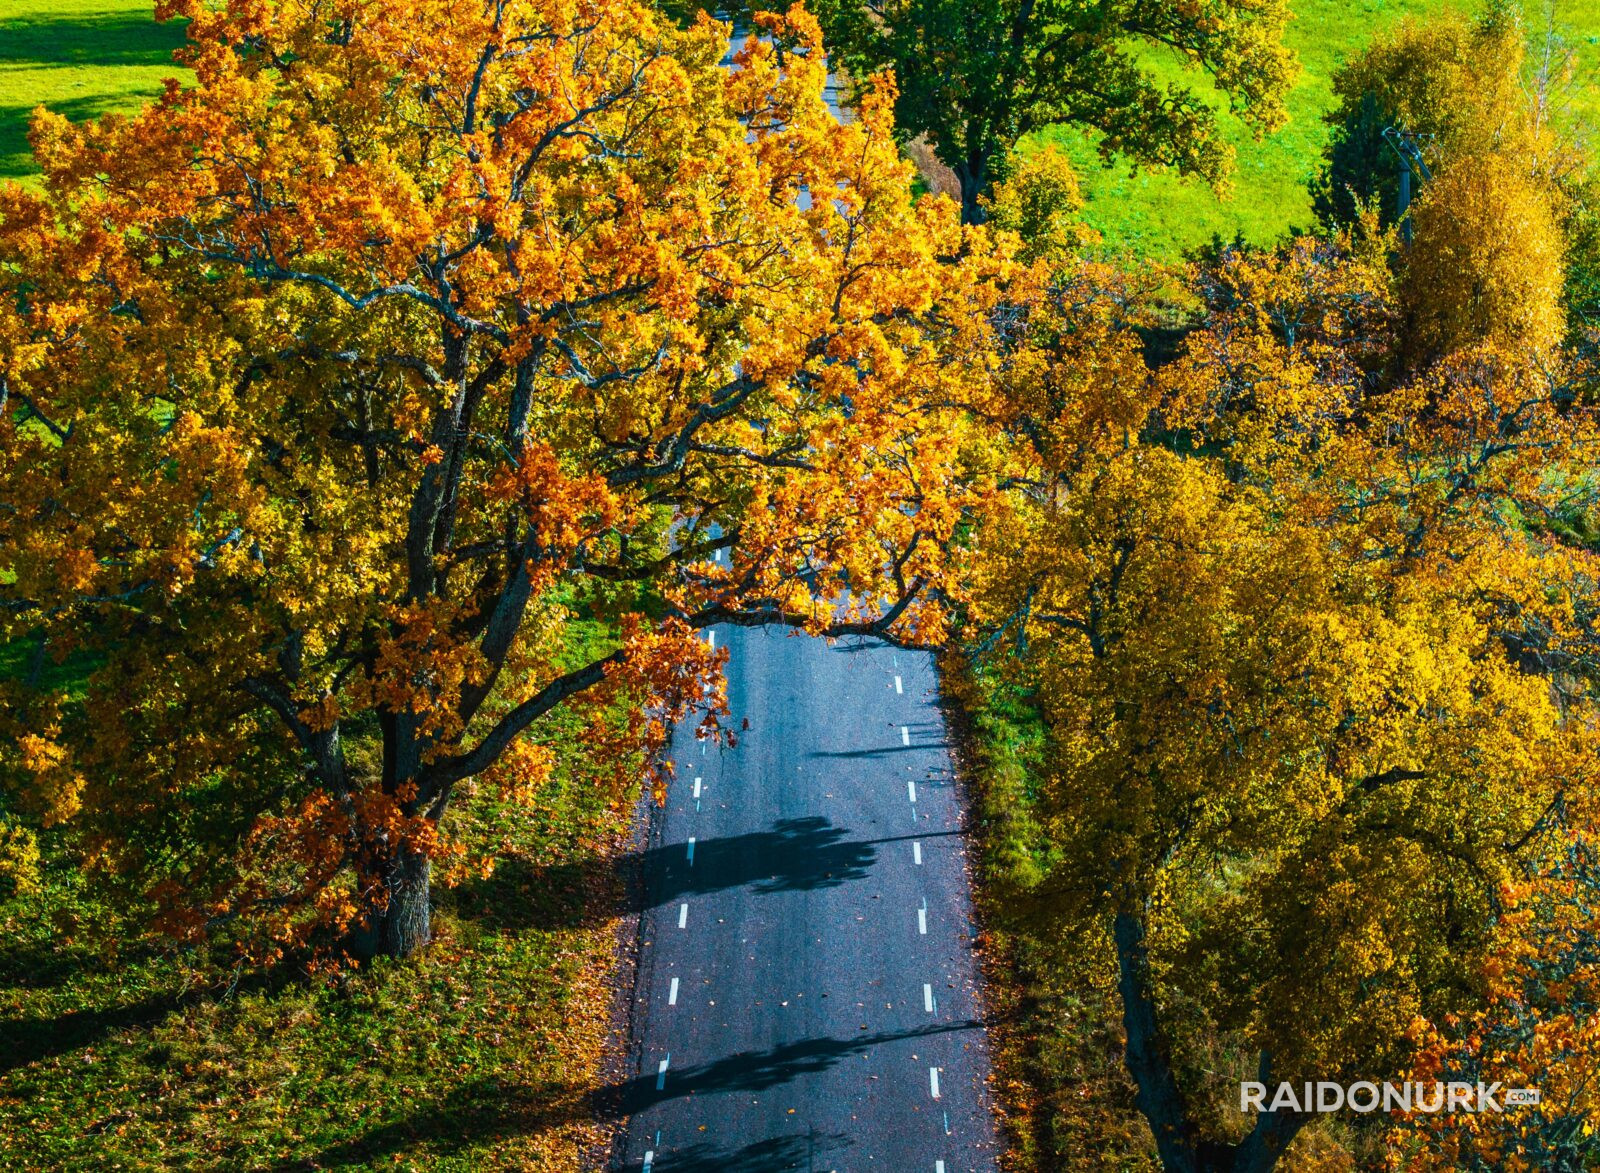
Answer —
483 1052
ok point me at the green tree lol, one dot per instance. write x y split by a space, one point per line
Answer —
977 77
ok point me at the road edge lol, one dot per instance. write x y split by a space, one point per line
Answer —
619 1057
1001 991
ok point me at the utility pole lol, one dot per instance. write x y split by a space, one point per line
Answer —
1404 144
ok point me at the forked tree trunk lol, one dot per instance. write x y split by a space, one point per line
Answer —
1178 1141
1158 1095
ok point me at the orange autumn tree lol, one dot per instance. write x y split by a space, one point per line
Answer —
335 388
1538 1027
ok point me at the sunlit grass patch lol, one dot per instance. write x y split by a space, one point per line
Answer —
81 58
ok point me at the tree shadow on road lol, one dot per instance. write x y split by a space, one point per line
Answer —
800 1150
806 854
851 647
924 735
883 752
754 1071
795 855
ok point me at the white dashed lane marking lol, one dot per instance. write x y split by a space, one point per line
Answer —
927 995
661 1077
897 688
911 789
922 919
691 851
683 916
697 788
905 735
672 994
916 852
933 1080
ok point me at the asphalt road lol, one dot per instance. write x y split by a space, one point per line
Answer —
806 991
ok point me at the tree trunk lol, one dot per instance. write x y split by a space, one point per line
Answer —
1158 1095
1259 1151
973 175
403 925
1178 1140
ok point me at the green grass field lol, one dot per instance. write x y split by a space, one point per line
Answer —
1157 214
82 58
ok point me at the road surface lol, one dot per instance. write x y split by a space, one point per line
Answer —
806 990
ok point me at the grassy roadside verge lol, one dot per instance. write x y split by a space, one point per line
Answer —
485 1052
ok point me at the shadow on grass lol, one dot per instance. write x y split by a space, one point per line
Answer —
88 38
32 1038
16 156
481 1110
27 1040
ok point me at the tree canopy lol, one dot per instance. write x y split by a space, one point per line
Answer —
339 390
1306 739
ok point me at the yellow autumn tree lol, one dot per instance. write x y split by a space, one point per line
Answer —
1281 637
1486 262
1039 200
338 386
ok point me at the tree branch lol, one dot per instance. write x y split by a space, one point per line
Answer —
443 774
